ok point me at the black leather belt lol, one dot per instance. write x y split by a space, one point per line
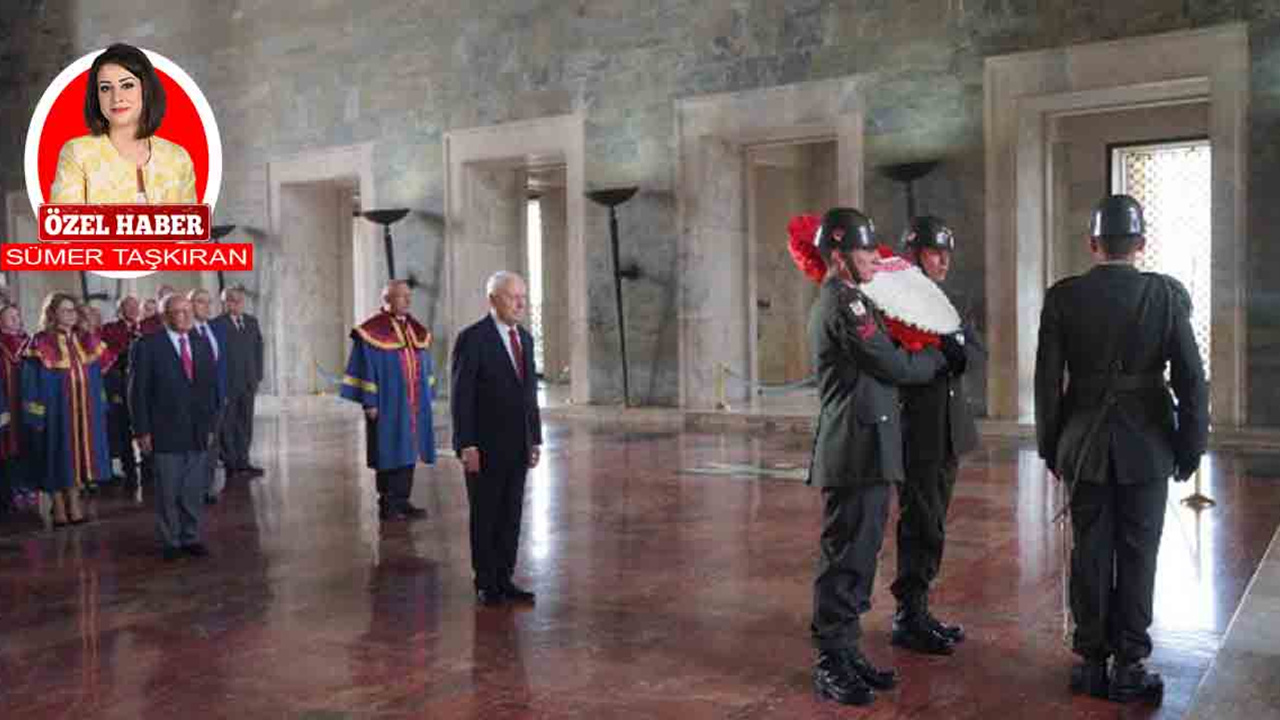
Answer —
1121 383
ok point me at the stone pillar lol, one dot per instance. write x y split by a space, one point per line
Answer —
713 277
555 289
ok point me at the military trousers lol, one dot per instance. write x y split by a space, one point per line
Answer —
853 520
923 500
1116 531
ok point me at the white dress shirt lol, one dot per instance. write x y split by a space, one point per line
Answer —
504 331
177 347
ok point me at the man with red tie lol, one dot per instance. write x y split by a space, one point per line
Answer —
497 433
390 375
173 399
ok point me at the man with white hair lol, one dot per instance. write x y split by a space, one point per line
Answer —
390 375
497 433
173 400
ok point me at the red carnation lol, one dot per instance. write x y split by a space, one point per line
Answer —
804 252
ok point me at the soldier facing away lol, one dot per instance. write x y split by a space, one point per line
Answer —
1107 426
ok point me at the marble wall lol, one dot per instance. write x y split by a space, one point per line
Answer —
287 78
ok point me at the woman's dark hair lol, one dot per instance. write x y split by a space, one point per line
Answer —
135 61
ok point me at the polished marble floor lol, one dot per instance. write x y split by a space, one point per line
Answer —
672 571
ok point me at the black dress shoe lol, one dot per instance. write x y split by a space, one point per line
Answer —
390 514
252 471
1090 678
832 680
1132 681
912 632
172 553
857 663
954 633
196 550
488 597
514 592
210 499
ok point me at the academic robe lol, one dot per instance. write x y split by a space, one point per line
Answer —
119 336
390 369
64 402
11 347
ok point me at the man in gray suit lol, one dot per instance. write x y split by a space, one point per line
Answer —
173 399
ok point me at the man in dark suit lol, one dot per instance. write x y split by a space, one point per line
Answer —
1112 433
939 429
202 313
857 451
241 342
119 336
497 433
173 399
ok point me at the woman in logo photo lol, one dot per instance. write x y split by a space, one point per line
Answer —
122 160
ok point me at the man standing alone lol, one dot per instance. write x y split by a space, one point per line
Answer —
390 374
497 433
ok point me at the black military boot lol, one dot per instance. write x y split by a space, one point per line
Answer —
1130 681
954 633
858 664
833 680
1090 678
911 630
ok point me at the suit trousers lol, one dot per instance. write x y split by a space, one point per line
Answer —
923 500
853 520
181 479
394 486
236 432
496 499
1116 531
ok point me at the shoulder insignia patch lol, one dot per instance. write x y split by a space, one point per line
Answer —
858 308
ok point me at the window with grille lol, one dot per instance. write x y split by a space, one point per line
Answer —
1172 181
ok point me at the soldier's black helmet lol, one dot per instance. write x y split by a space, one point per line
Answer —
928 231
845 229
1116 216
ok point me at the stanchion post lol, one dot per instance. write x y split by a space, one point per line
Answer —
722 392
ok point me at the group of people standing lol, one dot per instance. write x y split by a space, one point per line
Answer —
177 385
1111 427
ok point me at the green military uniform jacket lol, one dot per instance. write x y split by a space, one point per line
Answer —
859 435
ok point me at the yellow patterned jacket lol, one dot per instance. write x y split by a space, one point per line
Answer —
91 170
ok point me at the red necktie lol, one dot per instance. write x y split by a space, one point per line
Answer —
516 353
187 366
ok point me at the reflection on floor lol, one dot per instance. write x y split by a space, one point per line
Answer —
663 591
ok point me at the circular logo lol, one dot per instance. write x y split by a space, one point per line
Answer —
59 117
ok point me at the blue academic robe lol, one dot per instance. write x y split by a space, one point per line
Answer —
390 369
65 403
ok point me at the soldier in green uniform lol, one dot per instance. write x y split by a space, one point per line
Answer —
1108 427
857 451
939 429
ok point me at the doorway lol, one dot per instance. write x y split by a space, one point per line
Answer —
1173 181
317 234
783 180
